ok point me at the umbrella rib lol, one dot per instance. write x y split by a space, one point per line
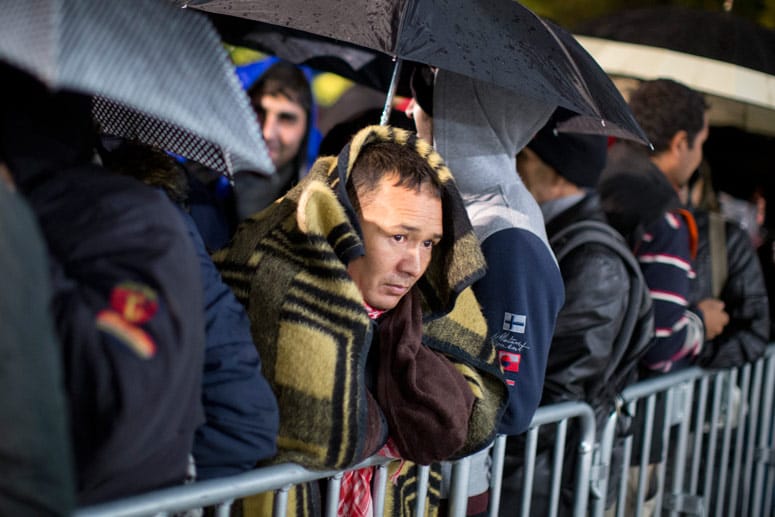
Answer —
573 64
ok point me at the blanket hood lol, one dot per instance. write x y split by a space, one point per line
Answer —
457 261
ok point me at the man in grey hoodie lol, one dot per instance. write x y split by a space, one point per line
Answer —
479 128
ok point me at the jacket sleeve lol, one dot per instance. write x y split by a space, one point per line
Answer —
745 337
35 454
127 304
596 299
665 261
520 296
241 416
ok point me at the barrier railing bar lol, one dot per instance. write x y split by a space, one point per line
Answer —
332 490
745 410
764 437
699 422
423 471
645 454
458 500
679 463
378 490
224 509
496 481
766 407
206 493
581 488
530 455
557 462
280 506
605 452
747 463
753 425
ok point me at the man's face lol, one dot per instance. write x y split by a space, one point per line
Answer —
692 157
400 228
533 174
284 124
423 122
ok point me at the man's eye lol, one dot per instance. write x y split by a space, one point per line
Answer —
428 244
399 238
288 118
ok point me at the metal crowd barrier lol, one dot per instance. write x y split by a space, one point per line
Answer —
717 457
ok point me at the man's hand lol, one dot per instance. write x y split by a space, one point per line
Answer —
714 315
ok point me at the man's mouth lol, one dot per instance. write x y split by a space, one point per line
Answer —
397 289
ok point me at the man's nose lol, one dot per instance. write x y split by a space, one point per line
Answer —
270 127
412 261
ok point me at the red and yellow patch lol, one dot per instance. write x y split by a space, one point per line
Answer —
136 303
134 337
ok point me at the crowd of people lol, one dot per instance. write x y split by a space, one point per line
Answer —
412 294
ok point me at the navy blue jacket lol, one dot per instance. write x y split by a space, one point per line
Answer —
127 298
240 409
520 298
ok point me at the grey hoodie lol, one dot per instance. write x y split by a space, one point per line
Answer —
479 128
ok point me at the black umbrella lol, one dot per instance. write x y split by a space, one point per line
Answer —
160 74
498 41
718 35
718 53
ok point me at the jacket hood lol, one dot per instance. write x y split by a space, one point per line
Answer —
479 128
41 131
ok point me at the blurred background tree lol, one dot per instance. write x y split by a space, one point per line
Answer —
569 13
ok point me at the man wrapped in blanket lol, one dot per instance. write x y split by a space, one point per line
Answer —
357 286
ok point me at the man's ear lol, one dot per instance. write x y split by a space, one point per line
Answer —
681 138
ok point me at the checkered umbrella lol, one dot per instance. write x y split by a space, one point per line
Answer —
159 74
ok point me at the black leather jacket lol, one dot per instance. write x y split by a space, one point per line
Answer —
587 361
744 295
585 355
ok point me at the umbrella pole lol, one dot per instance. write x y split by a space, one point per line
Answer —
391 93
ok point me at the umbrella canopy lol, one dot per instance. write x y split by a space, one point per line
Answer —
720 54
498 41
160 75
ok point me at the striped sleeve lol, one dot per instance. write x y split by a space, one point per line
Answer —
665 260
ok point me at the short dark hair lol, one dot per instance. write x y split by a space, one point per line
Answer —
286 79
384 158
664 107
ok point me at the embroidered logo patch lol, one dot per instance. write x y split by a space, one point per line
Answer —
514 322
136 303
509 361
135 338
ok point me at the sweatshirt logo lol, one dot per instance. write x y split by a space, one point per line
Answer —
509 361
514 322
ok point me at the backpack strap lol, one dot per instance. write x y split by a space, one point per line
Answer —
588 232
583 232
717 243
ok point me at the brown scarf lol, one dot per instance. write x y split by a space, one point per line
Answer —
426 400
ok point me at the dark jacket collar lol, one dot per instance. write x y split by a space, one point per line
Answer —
634 193
587 208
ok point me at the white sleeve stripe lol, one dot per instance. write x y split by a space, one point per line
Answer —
669 297
669 260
